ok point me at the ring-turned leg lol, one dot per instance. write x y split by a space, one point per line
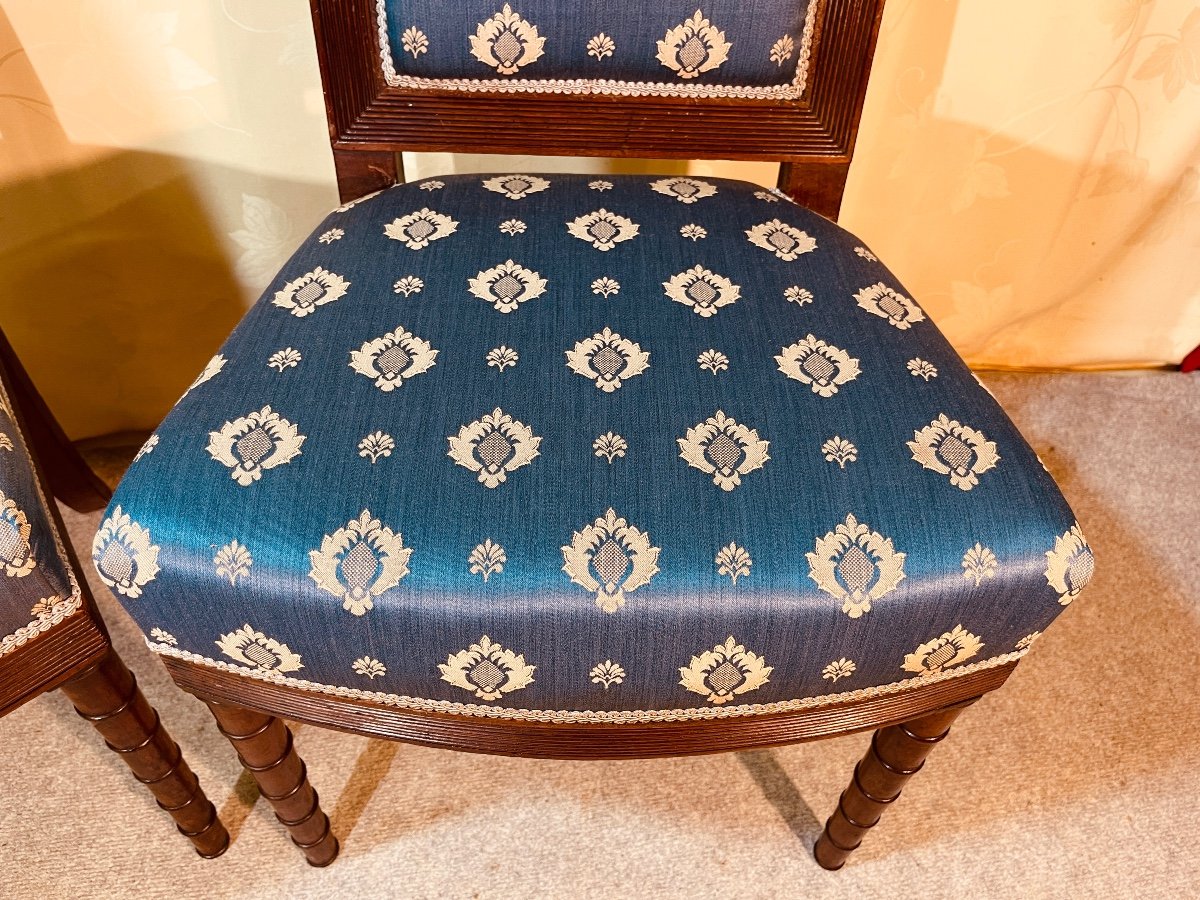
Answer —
265 746
897 753
107 695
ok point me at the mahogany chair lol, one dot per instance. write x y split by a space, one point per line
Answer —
590 467
53 636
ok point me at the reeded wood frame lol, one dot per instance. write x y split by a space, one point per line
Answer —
370 121
579 740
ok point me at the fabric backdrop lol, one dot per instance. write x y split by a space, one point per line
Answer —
1030 172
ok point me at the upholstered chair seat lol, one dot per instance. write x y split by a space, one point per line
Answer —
592 449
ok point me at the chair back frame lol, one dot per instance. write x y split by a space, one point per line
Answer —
812 137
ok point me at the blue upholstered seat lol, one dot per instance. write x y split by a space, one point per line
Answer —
605 449
37 588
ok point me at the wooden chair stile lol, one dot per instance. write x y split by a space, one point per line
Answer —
812 136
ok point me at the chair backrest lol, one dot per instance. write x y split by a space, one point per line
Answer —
772 80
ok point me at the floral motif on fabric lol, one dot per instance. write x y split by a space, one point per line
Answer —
311 290
703 290
419 229
685 190
785 241
507 42
494 446
949 447
359 561
880 300
607 359
516 187
254 649
603 229
856 565
393 359
950 649
507 285
124 555
612 558
821 366
1070 565
255 443
721 447
693 47
724 672
487 670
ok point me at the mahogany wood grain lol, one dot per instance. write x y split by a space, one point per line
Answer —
896 754
266 747
565 740
362 172
49 659
106 694
818 187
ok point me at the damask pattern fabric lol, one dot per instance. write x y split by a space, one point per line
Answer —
668 49
569 448
37 588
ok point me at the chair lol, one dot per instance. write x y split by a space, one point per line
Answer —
53 636
590 467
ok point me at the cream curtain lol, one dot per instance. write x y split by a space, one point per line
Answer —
1029 170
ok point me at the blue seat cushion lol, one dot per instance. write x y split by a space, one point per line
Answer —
610 449
37 587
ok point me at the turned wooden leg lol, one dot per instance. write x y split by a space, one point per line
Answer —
897 753
107 695
265 747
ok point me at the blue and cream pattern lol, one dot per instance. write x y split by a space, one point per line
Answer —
659 454
668 49
37 587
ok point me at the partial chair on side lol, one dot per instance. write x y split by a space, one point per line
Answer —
53 636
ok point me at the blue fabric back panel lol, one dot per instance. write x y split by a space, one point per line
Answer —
635 29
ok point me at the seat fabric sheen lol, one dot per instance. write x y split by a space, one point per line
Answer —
570 448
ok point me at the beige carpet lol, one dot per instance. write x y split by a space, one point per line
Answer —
1078 779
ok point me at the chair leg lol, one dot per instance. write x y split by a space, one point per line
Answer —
107 695
897 753
265 746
